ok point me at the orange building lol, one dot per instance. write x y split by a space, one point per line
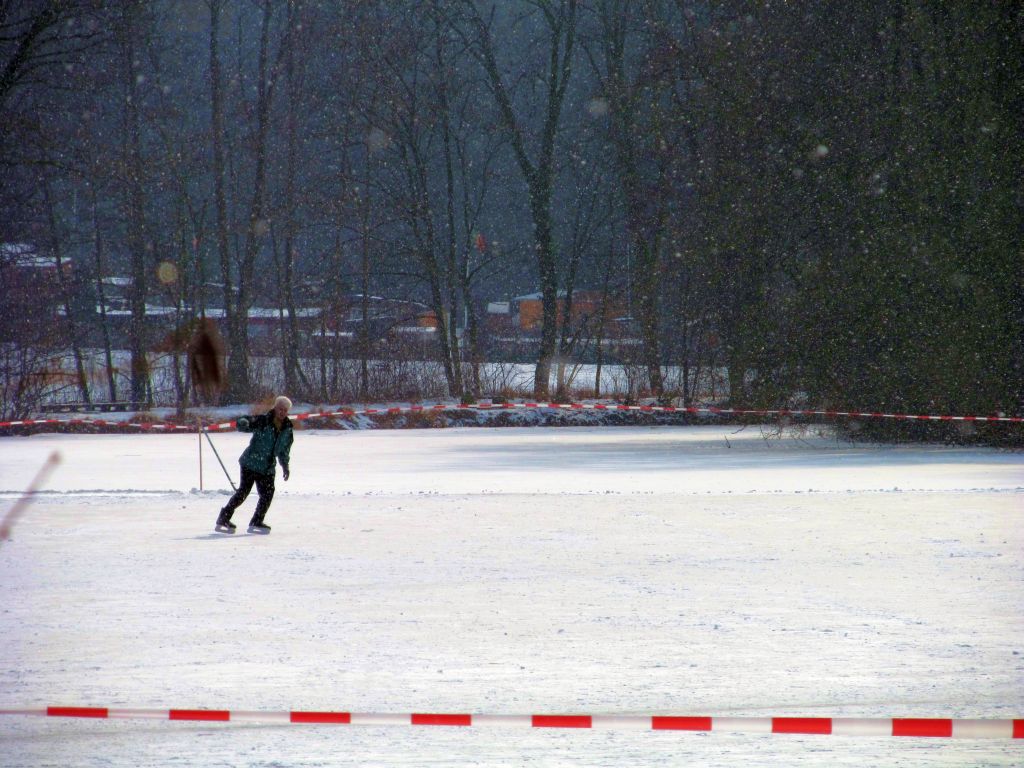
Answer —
527 312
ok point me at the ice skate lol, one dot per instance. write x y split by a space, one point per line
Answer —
224 524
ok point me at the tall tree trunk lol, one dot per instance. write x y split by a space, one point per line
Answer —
472 330
323 355
65 295
648 286
602 321
364 275
238 369
643 225
567 336
239 385
539 174
138 242
292 371
466 275
421 221
451 272
101 309
541 206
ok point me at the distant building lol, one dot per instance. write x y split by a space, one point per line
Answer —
32 291
31 295
526 313
23 267
395 324
513 327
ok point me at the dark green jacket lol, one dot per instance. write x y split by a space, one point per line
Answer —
267 443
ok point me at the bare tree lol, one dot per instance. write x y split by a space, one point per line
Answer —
410 116
70 320
238 270
592 208
99 254
469 156
140 244
626 58
40 36
294 67
537 168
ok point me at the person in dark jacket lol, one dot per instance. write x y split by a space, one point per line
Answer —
271 443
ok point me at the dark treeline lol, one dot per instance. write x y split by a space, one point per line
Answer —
823 197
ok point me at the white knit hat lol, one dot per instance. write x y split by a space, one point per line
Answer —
282 399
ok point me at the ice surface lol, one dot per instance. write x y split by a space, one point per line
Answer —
664 570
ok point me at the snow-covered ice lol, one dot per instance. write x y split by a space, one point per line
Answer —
655 570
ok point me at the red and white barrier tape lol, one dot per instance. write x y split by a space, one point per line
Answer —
693 410
835 726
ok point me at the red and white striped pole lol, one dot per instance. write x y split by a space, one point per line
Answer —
823 726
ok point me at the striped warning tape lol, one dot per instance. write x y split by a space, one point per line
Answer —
835 726
346 412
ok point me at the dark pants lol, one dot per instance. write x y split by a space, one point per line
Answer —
265 488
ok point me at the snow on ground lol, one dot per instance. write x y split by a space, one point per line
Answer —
659 570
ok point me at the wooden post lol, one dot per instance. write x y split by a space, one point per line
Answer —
199 434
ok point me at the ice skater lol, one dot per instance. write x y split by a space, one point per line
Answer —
271 442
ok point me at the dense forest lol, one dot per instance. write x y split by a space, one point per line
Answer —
823 198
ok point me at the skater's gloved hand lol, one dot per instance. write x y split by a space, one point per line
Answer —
286 473
242 422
